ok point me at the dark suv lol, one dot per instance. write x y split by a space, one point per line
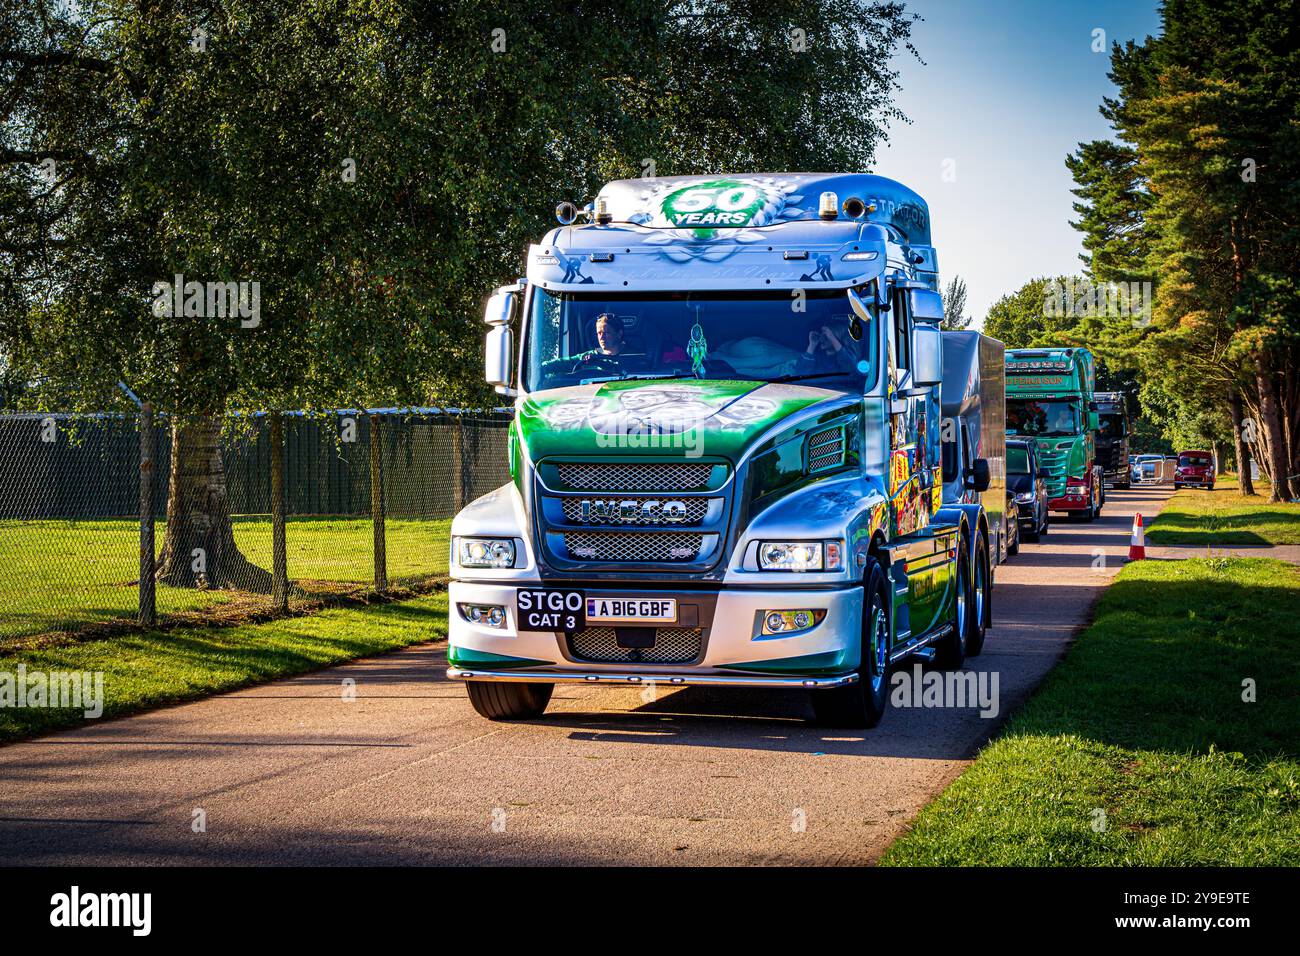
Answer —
1026 482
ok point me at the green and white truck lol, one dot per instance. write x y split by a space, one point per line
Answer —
1050 400
725 456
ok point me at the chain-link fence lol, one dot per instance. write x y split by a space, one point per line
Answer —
73 516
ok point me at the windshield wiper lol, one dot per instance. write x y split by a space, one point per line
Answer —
629 377
804 377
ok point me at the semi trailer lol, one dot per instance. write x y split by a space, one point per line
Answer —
974 430
725 458
1050 400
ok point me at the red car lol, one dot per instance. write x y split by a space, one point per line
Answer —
1194 468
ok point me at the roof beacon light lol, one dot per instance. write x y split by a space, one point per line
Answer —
829 207
602 211
566 213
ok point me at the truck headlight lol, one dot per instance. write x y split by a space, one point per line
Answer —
485 552
800 555
1026 498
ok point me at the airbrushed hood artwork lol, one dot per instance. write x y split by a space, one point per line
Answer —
717 418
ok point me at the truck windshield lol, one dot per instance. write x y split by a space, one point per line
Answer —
575 338
1110 426
1040 417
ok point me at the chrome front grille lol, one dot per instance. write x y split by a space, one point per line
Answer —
673 645
640 546
648 476
619 511
826 449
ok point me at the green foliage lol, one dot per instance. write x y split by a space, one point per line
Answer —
227 155
1024 319
954 305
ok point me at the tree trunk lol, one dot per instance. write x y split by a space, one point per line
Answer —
279 549
1246 486
377 506
199 547
148 609
1272 428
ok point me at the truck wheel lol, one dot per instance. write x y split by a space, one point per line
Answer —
950 650
977 606
862 703
1013 546
508 701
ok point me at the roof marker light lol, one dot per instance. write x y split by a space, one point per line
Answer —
602 211
829 206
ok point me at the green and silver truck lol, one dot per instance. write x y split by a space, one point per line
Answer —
725 458
1050 399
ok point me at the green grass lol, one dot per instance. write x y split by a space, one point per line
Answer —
1145 721
143 670
62 574
1225 517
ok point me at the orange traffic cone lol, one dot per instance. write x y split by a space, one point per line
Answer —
1137 547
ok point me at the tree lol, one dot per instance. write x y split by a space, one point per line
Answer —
954 305
1201 193
373 169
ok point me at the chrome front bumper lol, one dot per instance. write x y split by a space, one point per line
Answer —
613 677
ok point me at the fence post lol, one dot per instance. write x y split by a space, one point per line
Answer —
279 551
458 463
148 611
377 506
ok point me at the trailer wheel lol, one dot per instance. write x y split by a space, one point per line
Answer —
862 703
950 651
977 606
508 701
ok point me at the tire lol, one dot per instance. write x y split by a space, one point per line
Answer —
1032 535
1177 486
950 650
508 701
1047 523
862 703
1013 547
977 612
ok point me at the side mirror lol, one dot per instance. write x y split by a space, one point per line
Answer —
496 356
927 306
927 356
978 475
1094 421
501 306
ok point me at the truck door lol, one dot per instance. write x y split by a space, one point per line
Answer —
914 453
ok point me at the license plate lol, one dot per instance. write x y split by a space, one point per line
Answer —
631 610
550 609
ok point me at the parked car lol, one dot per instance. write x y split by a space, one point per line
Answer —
1194 468
1027 486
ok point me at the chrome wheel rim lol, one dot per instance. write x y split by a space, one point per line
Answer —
979 593
961 607
879 649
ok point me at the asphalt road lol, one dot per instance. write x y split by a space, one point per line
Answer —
290 773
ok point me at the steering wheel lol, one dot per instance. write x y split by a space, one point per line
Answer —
597 363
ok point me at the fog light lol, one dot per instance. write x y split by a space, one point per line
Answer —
792 621
487 615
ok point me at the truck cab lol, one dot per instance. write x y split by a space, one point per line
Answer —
1050 401
1112 438
724 460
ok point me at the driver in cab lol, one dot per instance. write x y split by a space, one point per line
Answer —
609 333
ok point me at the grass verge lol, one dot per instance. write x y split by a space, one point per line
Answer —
57 575
1225 517
149 669
1138 749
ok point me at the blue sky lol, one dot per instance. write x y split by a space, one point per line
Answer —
1007 91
